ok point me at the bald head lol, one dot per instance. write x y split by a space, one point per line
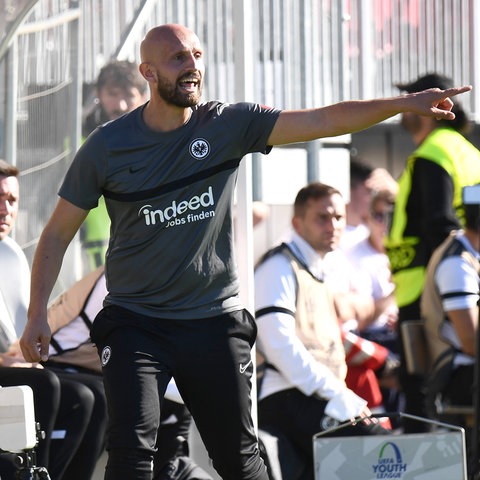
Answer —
169 36
172 64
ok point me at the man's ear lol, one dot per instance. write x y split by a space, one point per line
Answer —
295 223
147 72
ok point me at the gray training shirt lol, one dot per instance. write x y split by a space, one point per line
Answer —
169 197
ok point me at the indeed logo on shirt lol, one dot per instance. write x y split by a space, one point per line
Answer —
180 213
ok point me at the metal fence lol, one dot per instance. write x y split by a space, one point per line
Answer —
303 53
41 91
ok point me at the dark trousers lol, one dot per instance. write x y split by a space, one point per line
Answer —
211 362
175 424
82 465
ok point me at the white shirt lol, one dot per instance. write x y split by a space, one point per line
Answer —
14 288
275 285
353 234
338 272
372 275
456 274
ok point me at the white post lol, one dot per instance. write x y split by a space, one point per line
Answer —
243 48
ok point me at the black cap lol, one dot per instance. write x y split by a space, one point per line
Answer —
431 80
461 122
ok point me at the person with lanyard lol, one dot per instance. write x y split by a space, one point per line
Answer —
428 207
303 349
168 171
449 310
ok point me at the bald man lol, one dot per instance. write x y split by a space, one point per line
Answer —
167 171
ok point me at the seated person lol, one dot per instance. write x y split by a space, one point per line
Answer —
371 268
303 390
63 405
450 312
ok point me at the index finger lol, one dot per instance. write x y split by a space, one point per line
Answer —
451 92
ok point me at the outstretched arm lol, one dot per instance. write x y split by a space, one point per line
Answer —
57 235
351 116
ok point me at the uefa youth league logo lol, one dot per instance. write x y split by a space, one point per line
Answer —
390 463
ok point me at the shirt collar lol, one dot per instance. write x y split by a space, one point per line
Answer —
306 253
460 236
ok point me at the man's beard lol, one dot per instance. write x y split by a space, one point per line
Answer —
172 95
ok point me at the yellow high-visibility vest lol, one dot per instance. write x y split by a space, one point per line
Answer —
461 160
